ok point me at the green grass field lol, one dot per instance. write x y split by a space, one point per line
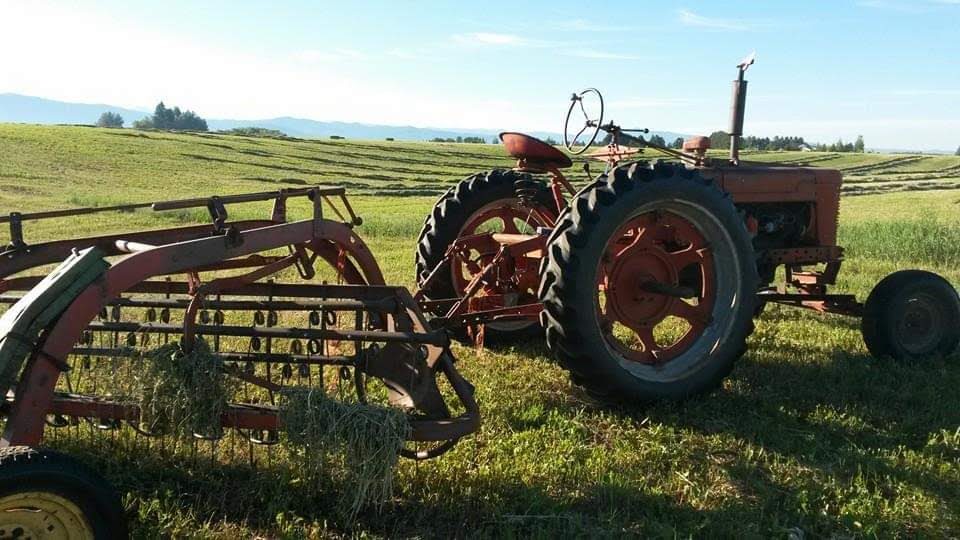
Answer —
809 433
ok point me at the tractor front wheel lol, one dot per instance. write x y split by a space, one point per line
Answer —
649 285
494 201
911 315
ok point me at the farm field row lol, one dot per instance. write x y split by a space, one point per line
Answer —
809 433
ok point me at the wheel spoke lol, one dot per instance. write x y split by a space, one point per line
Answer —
641 236
686 257
645 336
579 133
697 316
509 226
649 348
586 116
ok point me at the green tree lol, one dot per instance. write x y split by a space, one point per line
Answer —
110 120
657 140
677 143
166 118
957 153
720 139
858 146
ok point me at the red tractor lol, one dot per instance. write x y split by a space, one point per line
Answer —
646 281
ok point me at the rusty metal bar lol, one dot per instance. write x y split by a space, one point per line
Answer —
385 305
74 212
430 338
281 290
245 197
263 417
128 246
841 304
261 358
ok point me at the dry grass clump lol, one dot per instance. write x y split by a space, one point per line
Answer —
366 438
182 393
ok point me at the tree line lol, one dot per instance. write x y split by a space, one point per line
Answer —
721 139
471 140
173 119
162 118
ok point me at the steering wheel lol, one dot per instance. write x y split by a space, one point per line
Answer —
589 122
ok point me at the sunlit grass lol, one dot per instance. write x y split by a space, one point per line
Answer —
809 433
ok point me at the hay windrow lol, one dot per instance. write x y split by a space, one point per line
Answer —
182 393
368 438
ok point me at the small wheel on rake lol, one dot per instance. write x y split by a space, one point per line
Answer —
434 450
484 202
45 494
415 450
911 315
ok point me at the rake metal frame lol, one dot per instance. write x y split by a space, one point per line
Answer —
412 353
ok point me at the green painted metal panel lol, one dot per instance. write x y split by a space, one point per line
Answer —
22 324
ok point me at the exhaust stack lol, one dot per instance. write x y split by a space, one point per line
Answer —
738 107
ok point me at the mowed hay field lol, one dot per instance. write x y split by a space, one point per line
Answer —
809 436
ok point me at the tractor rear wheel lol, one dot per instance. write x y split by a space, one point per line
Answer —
493 201
649 285
911 315
45 494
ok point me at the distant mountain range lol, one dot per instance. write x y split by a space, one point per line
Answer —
34 110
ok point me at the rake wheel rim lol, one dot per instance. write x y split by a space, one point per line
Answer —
42 514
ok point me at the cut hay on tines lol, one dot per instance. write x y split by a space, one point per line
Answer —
367 438
183 393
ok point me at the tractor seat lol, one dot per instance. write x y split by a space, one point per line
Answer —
698 144
534 152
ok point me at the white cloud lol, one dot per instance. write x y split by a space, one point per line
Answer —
689 18
403 54
600 55
313 56
123 63
582 25
490 38
893 5
927 92
646 103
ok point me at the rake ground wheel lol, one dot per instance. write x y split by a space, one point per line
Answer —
45 494
649 285
485 202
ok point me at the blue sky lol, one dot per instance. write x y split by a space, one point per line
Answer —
886 69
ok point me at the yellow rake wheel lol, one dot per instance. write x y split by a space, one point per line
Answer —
46 494
40 514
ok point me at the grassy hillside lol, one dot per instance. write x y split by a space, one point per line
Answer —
809 433
878 173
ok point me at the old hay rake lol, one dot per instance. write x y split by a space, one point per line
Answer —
284 307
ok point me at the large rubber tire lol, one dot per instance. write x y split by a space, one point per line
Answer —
571 268
24 470
911 315
451 213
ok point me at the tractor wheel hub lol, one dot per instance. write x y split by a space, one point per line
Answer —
629 300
